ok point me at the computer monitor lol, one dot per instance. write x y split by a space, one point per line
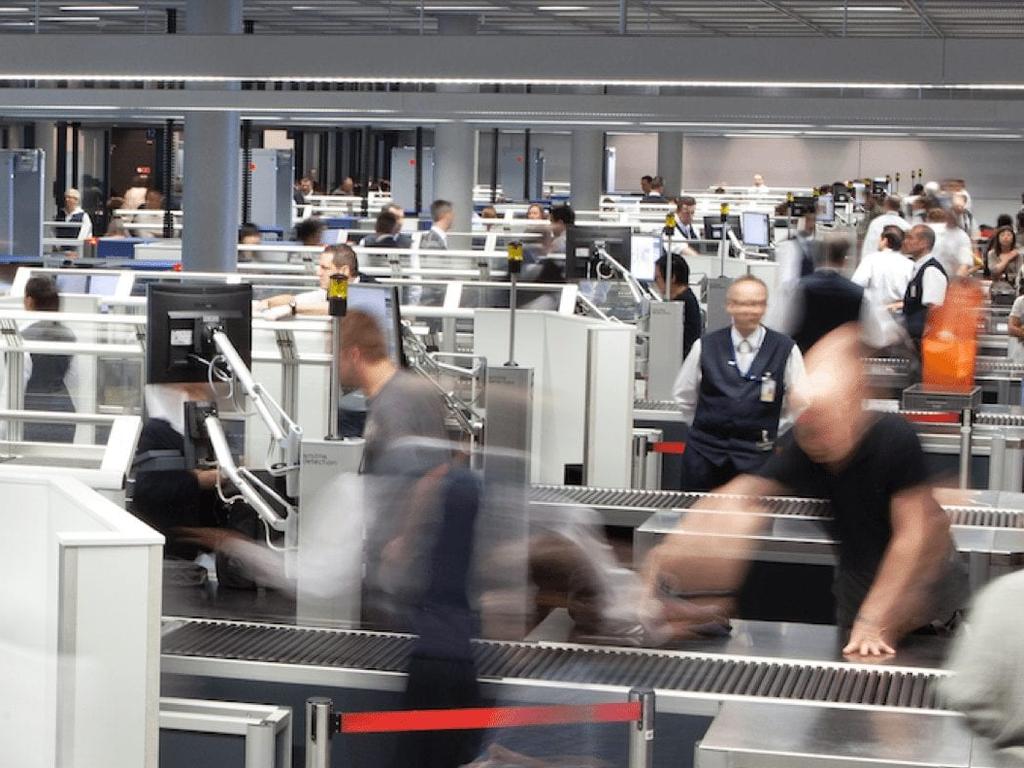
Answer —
580 240
803 205
645 250
180 320
72 283
757 228
713 227
826 209
103 285
382 303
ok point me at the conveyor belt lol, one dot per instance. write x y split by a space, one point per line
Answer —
988 419
983 365
810 509
611 498
656 405
668 672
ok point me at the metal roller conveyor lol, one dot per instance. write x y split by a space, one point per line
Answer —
657 410
685 682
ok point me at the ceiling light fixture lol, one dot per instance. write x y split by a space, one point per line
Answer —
563 8
13 9
69 18
17 23
867 8
457 8
100 7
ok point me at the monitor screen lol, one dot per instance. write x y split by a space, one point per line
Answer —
180 321
580 240
381 301
713 227
644 251
803 205
826 209
756 229
72 283
102 285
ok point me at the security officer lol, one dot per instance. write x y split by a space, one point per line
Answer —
928 281
733 391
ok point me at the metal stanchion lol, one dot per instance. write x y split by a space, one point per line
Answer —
965 449
319 730
641 732
997 462
259 744
515 266
337 306
723 247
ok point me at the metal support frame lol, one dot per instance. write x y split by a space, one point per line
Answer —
418 171
641 733
495 141
319 731
965 448
168 158
246 171
526 165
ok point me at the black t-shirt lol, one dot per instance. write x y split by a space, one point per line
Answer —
888 460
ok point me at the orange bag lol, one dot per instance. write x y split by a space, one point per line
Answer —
950 344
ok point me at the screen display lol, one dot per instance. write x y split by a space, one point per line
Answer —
756 229
826 209
102 285
72 283
646 249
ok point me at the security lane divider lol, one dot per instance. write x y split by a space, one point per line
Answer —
322 723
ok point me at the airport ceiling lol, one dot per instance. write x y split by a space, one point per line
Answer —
703 18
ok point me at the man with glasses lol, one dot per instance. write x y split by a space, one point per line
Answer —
733 389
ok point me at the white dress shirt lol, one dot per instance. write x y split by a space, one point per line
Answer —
85 229
874 233
440 234
952 249
686 390
884 276
933 288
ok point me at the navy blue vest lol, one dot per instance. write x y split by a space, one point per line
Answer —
829 300
915 312
70 232
730 417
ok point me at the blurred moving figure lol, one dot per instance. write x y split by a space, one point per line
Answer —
897 569
987 668
47 376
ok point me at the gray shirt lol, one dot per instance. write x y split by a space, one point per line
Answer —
403 415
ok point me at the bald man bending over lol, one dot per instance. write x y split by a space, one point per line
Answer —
897 570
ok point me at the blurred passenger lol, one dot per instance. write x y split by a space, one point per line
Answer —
385 232
442 214
168 496
1015 330
953 247
826 300
885 273
150 226
797 257
81 224
986 663
759 186
1004 258
890 217
928 281
302 191
47 376
960 208
249 234
347 188
561 218
135 195
645 185
898 570
734 389
657 192
116 228
693 323
310 231
536 212
336 259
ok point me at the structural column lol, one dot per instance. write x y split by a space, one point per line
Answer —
585 172
455 171
46 140
670 162
212 202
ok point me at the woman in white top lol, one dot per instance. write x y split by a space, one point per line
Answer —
1004 259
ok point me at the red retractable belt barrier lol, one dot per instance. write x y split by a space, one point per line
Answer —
933 418
667 447
483 718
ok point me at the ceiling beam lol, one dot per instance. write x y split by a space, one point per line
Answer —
798 17
917 6
532 9
678 18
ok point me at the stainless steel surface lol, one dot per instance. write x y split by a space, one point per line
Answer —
766 736
641 732
690 682
657 410
319 730
965 448
334 383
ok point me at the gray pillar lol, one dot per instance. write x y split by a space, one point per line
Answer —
586 169
211 175
46 140
454 172
670 161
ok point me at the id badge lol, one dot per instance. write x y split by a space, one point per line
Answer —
767 389
913 291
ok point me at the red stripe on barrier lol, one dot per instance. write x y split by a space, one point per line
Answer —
482 718
663 447
933 418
